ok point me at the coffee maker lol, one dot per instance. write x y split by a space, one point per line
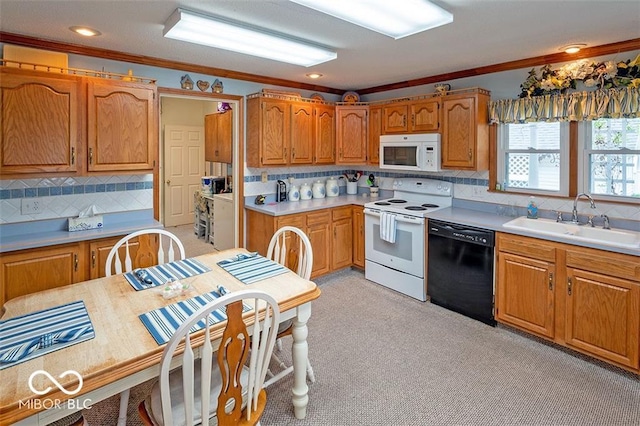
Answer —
281 191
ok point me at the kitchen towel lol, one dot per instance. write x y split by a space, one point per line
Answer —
160 274
163 322
388 227
33 335
251 267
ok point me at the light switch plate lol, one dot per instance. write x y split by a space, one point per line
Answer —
264 177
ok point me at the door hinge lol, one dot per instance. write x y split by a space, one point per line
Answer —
569 284
550 280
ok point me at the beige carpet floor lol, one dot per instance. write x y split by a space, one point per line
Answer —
382 358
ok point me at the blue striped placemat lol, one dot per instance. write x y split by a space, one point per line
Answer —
160 274
163 322
250 268
33 335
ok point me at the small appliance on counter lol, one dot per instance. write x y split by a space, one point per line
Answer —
332 188
281 191
318 189
305 191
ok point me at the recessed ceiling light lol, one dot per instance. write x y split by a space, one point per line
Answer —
397 18
223 33
314 75
85 31
573 48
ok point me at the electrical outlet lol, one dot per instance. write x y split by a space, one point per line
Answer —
264 177
31 206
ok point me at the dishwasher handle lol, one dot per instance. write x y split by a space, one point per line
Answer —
458 232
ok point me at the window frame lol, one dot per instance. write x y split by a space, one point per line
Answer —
584 147
564 152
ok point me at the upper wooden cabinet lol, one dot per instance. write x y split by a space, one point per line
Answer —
302 133
60 123
42 119
282 132
325 134
375 130
465 131
121 126
416 116
218 137
352 134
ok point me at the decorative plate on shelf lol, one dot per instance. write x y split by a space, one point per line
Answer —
317 97
351 97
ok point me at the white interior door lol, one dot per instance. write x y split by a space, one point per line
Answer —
183 170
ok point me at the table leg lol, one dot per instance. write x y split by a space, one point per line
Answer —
300 352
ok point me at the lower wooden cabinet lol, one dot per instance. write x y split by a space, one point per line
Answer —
358 236
581 298
29 271
329 230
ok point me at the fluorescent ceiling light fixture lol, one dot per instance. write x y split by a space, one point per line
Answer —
242 38
394 18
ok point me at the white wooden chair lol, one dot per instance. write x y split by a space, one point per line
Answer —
234 393
114 262
290 247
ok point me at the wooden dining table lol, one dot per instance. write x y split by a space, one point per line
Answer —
123 353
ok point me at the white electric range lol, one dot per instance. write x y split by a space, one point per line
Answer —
400 265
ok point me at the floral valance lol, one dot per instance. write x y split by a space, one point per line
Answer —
578 106
544 97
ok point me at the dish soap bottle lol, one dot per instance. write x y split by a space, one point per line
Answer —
532 209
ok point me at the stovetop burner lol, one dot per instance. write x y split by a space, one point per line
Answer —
415 208
433 206
382 203
396 201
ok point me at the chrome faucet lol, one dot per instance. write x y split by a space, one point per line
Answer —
574 212
606 224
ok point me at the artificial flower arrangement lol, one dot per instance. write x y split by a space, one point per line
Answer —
603 75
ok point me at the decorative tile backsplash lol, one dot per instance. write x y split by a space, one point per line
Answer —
63 197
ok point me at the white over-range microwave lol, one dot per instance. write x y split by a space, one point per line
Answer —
417 152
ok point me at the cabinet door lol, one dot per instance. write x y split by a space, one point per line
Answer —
30 271
302 134
275 125
602 316
352 138
41 122
375 131
121 126
99 250
394 119
358 236
318 231
342 245
325 135
525 293
218 137
425 116
458 133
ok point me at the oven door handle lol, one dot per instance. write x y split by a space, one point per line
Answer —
399 218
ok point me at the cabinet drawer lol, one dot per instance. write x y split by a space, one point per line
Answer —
613 264
530 247
341 213
322 216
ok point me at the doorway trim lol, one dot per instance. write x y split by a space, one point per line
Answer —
238 149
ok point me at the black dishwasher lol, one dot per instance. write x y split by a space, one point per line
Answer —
460 269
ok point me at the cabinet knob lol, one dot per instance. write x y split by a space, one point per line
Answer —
168 181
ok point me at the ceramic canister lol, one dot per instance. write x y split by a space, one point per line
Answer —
332 188
318 189
305 191
294 193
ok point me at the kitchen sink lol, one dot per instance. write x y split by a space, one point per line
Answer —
613 237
